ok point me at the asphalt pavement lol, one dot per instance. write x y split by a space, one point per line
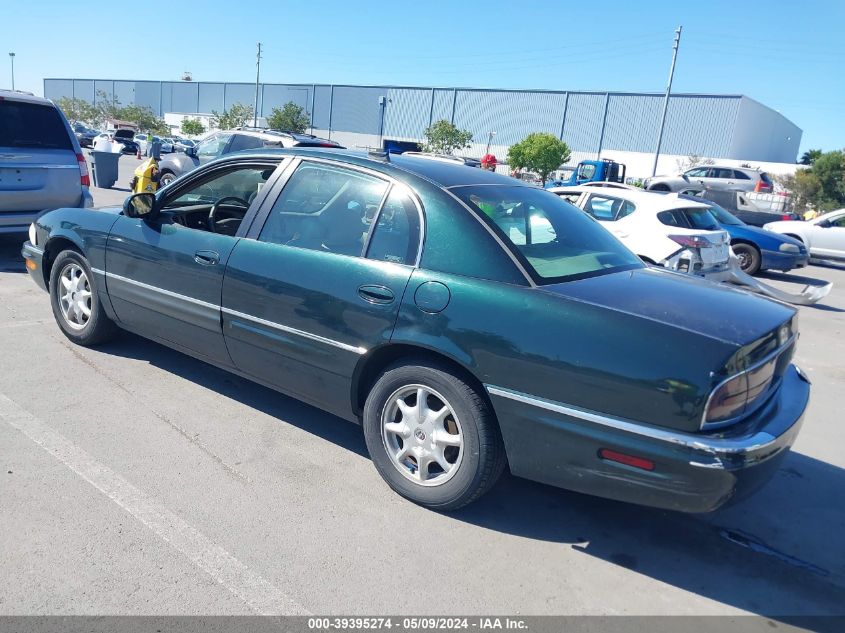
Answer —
137 480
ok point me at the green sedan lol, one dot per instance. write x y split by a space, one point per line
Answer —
468 322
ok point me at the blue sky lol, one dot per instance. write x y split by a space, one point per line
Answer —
787 55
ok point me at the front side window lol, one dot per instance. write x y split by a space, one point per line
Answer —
242 184
554 240
586 172
325 208
699 172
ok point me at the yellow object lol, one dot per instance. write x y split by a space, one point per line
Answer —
146 177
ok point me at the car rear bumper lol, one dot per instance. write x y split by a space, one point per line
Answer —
778 260
34 260
692 472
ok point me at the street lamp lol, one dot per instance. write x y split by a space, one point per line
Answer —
490 136
12 59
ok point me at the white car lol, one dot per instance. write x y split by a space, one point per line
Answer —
661 229
823 236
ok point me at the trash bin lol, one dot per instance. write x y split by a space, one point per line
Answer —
104 169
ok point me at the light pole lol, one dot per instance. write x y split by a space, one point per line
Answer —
490 136
666 98
257 75
12 59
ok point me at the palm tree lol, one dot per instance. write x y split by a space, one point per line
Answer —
809 157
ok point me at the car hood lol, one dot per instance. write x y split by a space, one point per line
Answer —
690 303
760 236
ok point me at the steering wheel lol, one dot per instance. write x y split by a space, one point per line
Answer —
216 206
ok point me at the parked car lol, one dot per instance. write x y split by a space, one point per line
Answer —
182 144
41 162
84 135
724 178
758 249
823 236
167 145
676 233
221 143
127 139
415 297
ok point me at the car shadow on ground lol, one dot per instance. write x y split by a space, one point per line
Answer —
788 540
11 260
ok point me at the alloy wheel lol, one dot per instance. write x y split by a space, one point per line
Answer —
422 435
74 296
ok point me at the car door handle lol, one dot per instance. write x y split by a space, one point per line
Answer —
206 258
376 294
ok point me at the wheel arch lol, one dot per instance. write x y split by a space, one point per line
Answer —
742 240
371 366
55 245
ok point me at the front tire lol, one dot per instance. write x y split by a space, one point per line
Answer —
432 437
74 296
166 178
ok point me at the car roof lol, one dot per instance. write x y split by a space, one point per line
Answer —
17 95
648 200
443 174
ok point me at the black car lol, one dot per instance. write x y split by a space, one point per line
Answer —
84 135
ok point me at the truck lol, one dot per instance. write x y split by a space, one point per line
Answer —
604 170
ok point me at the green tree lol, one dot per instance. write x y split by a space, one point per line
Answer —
236 116
106 106
443 137
810 156
829 168
144 118
192 127
289 118
539 152
78 110
803 186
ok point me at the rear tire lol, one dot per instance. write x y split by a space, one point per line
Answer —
74 296
749 258
166 178
455 427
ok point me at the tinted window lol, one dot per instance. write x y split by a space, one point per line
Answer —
838 222
740 175
724 217
700 219
242 141
324 208
672 218
32 125
765 178
395 236
554 240
607 208
722 173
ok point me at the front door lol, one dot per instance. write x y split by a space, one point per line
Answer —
321 283
830 241
165 276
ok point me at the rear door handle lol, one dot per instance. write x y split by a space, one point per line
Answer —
376 294
207 258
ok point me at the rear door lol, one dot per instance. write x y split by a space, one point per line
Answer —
38 163
322 282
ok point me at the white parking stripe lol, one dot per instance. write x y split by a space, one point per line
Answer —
227 570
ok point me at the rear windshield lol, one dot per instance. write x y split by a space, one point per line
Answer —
765 178
32 125
554 240
725 217
700 219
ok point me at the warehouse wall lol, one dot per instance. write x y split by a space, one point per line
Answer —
716 126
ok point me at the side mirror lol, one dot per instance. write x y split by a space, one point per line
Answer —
825 224
191 151
140 205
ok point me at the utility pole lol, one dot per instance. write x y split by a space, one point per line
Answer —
12 58
666 98
490 136
257 75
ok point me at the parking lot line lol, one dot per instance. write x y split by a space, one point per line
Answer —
258 593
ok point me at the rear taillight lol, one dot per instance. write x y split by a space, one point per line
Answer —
84 179
738 394
692 241
762 187
786 217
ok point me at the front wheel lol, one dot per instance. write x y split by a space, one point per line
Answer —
432 437
75 301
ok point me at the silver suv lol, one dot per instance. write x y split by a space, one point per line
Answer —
41 163
228 141
712 177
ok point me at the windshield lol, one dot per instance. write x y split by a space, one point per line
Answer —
725 217
554 240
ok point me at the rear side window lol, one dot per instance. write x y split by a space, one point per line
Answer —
396 235
741 175
243 141
32 125
700 219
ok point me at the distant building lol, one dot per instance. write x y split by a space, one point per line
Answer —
732 129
